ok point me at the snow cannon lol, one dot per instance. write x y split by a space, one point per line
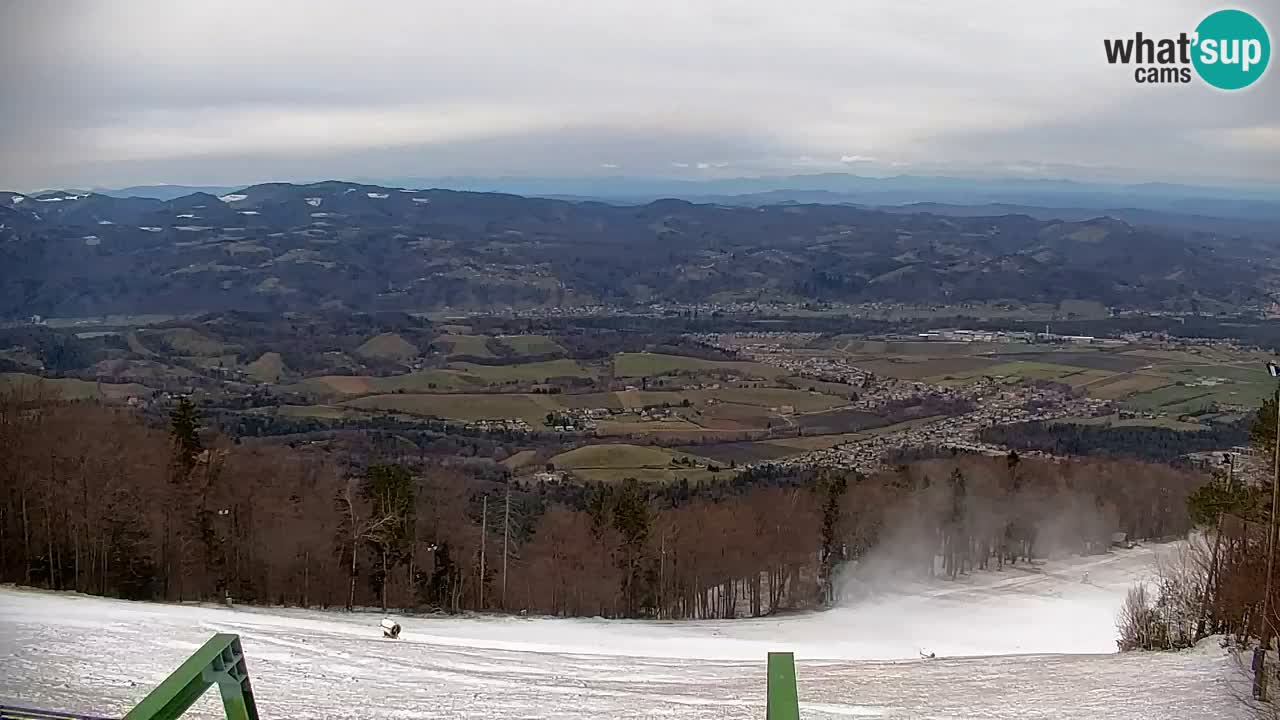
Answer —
390 628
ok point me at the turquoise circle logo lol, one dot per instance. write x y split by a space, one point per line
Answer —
1232 49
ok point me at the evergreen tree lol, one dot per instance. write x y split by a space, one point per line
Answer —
1262 433
1228 495
184 429
833 487
389 491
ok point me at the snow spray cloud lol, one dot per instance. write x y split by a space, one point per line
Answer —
1043 520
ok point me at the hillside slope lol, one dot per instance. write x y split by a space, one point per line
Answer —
310 664
341 245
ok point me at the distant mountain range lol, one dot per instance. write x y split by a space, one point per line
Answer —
837 188
345 245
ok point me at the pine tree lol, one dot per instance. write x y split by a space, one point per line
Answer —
1262 433
833 487
389 491
184 429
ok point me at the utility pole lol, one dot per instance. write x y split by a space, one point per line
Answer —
1260 655
506 535
662 577
484 531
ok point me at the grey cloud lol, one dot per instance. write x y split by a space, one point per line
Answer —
99 93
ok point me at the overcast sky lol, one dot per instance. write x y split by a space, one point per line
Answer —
96 94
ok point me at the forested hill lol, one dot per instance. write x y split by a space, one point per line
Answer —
343 245
1148 443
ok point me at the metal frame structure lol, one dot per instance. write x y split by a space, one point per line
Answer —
219 662
783 701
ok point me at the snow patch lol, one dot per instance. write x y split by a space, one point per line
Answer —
423 201
186 215
191 228
314 202
105 222
149 229
248 212
233 197
320 214
16 199
91 240
378 196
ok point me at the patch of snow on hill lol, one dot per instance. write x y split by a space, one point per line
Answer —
233 197
378 196
314 202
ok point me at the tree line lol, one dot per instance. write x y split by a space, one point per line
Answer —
95 500
1158 444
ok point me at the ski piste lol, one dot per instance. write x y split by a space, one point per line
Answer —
1008 645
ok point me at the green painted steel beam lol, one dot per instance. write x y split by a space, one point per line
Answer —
783 700
220 661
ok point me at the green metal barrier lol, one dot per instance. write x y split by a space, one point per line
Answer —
219 662
783 702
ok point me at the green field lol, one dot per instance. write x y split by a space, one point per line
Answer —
614 462
268 369
73 389
463 407
525 372
323 412
801 400
473 345
185 341
1119 386
419 381
389 346
531 344
650 364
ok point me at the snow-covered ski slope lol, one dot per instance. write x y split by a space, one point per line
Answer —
1015 644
